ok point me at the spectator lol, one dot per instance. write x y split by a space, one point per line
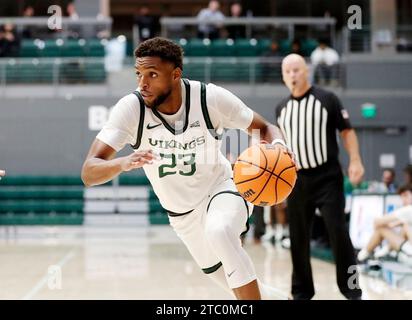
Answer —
407 171
296 48
236 31
74 32
9 41
325 62
28 11
271 70
384 229
71 11
388 180
210 20
146 23
27 32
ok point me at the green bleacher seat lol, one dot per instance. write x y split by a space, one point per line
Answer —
246 48
184 44
285 46
62 48
41 194
138 180
34 71
157 215
195 70
43 206
52 48
42 219
307 46
72 72
95 48
94 72
264 46
224 71
29 48
41 181
222 48
199 47
73 48
41 200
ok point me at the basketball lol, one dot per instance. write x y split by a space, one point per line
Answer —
264 175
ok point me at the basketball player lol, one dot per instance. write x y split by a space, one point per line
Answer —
175 126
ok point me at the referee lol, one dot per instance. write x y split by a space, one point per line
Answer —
309 119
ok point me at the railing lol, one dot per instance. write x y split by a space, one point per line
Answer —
360 40
177 24
75 73
252 71
87 27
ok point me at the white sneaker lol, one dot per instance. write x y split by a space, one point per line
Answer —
382 252
285 243
405 258
363 255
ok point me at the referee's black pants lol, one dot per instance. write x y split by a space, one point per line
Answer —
320 188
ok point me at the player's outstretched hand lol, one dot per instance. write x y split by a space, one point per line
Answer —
285 149
2 173
138 159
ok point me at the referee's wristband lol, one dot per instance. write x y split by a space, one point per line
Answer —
280 141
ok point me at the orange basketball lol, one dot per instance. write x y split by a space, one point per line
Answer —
264 175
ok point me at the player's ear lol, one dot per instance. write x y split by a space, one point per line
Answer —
177 74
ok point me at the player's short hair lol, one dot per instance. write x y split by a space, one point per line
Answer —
404 188
163 48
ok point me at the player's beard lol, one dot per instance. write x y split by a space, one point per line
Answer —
160 99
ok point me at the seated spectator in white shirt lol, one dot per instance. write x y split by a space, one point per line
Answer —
396 229
325 61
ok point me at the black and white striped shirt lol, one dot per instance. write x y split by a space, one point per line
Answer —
309 125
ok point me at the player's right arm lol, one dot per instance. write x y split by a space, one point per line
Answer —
100 165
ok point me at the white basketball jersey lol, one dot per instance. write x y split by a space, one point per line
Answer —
191 161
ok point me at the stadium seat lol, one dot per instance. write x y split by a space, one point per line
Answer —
136 180
199 47
41 206
94 72
222 48
285 46
29 48
73 48
95 48
52 48
194 70
246 48
264 46
41 194
41 181
307 46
